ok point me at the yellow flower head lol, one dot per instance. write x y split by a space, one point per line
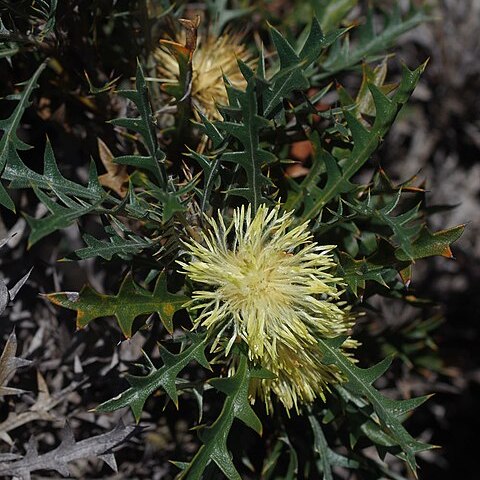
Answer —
213 58
268 283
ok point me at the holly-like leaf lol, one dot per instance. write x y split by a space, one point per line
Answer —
130 302
365 142
404 227
214 437
291 75
77 199
143 124
250 156
357 272
430 243
389 412
61 216
162 378
124 247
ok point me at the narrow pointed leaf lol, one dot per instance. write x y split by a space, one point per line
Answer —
214 437
10 143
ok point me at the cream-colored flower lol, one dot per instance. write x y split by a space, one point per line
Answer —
268 283
213 58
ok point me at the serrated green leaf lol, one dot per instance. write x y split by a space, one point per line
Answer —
357 272
365 142
130 302
429 244
291 75
124 247
75 200
405 227
328 458
143 124
251 157
214 438
343 57
61 216
162 378
359 382
52 180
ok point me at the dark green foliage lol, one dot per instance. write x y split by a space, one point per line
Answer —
252 158
38 14
124 247
389 412
380 229
293 69
10 143
327 458
164 378
214 437
342 56
143 125
364 141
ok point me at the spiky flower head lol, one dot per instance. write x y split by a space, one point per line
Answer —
212 58
266 282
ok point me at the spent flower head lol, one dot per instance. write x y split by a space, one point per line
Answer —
266 282
213 58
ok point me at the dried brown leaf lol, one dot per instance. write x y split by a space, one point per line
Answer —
8 364
40 410
116 177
